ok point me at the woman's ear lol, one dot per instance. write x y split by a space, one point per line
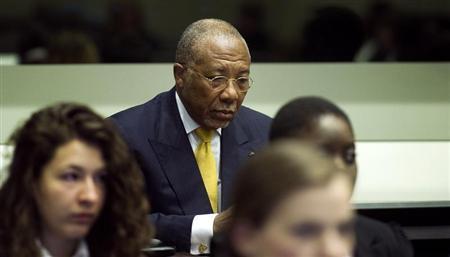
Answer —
244 239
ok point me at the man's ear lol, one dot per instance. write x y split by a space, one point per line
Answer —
178 73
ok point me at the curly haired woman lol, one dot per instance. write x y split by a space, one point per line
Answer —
73 189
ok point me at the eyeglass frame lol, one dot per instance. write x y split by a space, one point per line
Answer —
222 86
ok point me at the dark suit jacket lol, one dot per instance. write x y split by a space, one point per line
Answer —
377 239
155 133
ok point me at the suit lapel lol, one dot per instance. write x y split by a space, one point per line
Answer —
177 160
233 153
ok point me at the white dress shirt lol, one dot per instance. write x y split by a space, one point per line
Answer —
202 225
82 250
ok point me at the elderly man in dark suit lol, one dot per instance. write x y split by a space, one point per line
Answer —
190 140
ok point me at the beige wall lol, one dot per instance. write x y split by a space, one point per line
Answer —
384 101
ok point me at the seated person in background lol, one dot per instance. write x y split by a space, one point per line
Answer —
322 123
190 140
290 201
73 189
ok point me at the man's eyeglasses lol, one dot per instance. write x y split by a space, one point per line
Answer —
221 82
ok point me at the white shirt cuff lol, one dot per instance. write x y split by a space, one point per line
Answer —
201 233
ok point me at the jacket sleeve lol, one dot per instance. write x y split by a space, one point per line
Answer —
173 230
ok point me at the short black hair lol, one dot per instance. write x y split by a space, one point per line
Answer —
300 114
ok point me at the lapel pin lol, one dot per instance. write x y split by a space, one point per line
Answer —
250 154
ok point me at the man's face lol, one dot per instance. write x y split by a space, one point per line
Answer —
335 136
217 56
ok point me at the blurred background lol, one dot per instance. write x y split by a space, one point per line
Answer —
392 78
145 31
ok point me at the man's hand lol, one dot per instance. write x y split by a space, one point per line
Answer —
222 221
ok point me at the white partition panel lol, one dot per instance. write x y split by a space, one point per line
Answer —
5 158
388 171
402 172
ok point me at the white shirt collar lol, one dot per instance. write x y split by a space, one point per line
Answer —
188 123
82 250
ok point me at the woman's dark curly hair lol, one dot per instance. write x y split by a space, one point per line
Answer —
122 228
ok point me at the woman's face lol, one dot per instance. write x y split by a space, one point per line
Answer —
70 191
316 222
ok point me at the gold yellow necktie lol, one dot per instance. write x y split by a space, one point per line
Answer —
207 165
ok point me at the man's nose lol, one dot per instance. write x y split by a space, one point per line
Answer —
230 93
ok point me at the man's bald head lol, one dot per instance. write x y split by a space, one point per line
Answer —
198 32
